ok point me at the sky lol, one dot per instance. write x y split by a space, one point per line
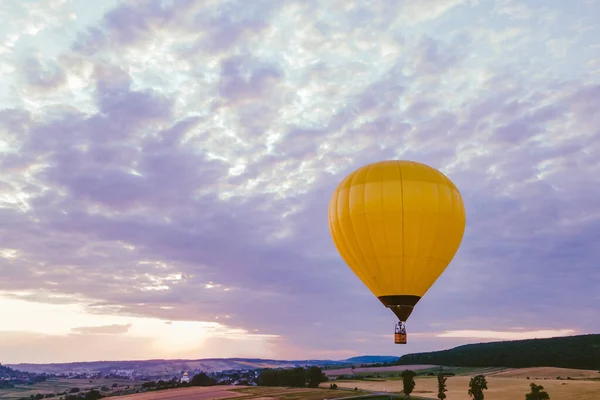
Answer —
166 167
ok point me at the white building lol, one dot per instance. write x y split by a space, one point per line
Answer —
123 372
185 378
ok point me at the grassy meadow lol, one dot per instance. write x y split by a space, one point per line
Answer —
503 383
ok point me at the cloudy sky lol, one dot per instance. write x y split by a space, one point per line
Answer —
166 168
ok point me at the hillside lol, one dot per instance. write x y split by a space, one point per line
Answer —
155 368
372 359
581 352
10 377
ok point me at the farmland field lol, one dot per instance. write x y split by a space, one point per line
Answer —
196 393
237 392
548 373
280 393
57 385
502 385
394 368
191 393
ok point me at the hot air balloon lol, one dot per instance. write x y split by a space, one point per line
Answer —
397 224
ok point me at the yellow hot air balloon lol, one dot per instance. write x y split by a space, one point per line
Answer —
397 224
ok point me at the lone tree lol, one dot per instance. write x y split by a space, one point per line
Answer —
93 395
315 376
441 387
202 379
476 387
408 381
537 393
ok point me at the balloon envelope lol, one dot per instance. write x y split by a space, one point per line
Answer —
397 224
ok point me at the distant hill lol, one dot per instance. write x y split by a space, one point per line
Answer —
10 377
372 359
581 352
159 368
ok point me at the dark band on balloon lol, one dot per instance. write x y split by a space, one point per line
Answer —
401 305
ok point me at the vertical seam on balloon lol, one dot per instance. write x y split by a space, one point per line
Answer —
435 236
402 240
346 247
338 228
346 240
351 261
368 230
353 232
360 251
420 225
338 237
463 214
452 219
389 268
418 273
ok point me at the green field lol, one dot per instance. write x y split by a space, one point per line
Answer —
281 393
365 374
58 385
503 383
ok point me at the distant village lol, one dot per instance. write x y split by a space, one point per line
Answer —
102 379
231 377
114 382
222 371
227 377
10 377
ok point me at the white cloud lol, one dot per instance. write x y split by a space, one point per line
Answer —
507 335
65 323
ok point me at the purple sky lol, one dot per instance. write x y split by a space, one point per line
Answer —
166 168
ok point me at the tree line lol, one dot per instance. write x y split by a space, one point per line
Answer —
289 377
476 390
579 352
10 377
292 377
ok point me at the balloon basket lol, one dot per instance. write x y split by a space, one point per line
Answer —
400 338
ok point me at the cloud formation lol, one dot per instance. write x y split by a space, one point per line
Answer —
114 329
175 160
